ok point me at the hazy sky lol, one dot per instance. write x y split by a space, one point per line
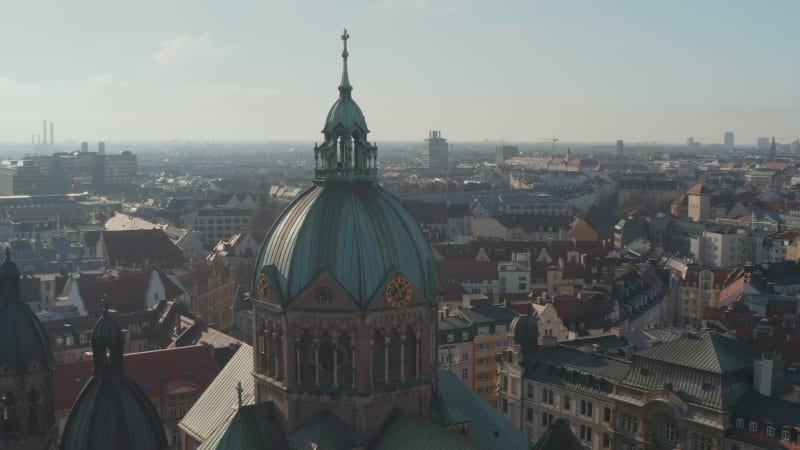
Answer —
516 70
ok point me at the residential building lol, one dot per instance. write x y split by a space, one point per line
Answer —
214 223
469 338
720 248
505 152
437 150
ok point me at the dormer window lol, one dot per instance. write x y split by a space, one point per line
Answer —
753 426
740 423
770 431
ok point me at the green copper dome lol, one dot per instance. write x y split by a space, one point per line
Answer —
358 232
345 118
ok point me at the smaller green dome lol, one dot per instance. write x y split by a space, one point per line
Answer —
345 118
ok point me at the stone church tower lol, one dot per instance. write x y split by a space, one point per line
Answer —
27 411
344 291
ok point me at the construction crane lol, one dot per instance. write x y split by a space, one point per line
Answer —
553 140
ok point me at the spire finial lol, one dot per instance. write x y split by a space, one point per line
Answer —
8 253
345 37
104 304
344 86
239 391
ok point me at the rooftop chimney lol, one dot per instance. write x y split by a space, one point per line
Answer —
762 376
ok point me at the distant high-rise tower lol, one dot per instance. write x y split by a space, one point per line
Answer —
101 148
762 143
52 136
84 147
620 147
728 139
505 152
44 132
437 150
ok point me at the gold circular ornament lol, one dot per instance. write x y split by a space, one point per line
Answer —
399 292
264 287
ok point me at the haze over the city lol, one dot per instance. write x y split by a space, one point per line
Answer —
519 71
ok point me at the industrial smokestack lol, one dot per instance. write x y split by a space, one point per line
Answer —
44 132
52 139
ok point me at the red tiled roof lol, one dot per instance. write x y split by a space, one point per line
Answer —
534 222
125 294
501 250
453 291
157 372
136 245
468 270
523 309
569 308
427 212
699 189
778 165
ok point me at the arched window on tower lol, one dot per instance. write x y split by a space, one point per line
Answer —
33 410
277 352
378 358
8 413
410 354
395 363
332 360
305 360
269 352
261 344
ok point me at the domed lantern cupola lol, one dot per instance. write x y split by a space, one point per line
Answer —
345 155
112 411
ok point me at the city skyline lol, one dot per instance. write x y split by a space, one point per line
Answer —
581 72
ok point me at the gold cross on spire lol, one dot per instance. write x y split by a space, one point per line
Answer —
345 37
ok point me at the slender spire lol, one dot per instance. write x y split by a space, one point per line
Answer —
8 253
344 87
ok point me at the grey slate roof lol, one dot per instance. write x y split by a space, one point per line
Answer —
706 351
706 369
590 374
488 428
558 437
217 405
769 409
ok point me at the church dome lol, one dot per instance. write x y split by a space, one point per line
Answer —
523 331
345 117
346 226
111 410
358 232
24 346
